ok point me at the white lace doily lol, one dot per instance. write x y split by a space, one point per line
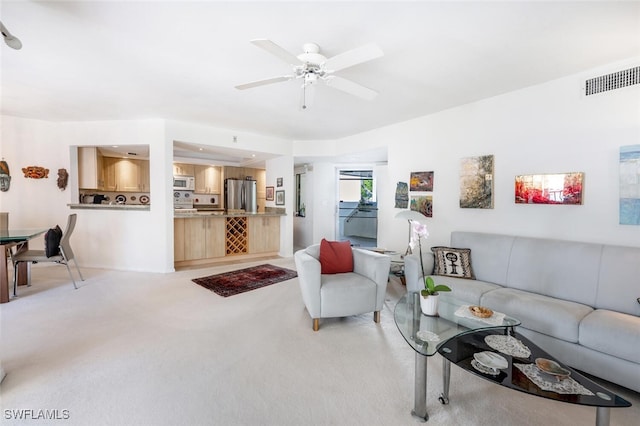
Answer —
508 345
564 386
495 319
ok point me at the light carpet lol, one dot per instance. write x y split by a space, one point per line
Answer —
133 348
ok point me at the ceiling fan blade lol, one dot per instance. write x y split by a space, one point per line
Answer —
264 82
278 51
352 88
353 57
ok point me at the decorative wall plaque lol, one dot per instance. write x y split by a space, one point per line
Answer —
35 172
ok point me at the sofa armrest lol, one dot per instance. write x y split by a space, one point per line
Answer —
374 266
309 278
413 269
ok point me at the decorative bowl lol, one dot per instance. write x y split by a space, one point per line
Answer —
480 311
551 367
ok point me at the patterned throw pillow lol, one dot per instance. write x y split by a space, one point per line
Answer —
453 262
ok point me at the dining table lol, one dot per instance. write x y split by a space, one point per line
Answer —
10 238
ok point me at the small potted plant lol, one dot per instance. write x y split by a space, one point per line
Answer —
429 294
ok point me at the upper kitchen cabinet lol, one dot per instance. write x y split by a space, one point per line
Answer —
207 179
126 175
90 168
182 169
106 168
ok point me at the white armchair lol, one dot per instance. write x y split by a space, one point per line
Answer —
345 294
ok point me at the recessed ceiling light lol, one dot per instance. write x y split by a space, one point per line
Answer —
201 149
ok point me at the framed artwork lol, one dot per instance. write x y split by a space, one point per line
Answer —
476 182
558 188
269 193
279 182
630 185
423 204
402 195
421 181
279 198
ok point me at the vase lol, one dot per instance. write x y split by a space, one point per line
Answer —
429 305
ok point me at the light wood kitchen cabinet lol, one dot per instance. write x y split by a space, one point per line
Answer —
178 239
126 175
109 173
264 234
182 169
206 239
207 179
90 168
198 238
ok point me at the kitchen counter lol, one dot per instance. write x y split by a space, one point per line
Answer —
223 214
137 207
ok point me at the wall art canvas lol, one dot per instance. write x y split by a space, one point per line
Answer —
423 204
402 195
630 185
553 188
421 181
476 182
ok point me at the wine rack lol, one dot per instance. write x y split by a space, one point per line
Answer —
236 236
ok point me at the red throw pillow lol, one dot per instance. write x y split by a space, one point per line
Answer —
335 257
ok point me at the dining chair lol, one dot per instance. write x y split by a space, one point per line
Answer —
38 256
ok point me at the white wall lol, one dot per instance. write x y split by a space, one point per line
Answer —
549 128
109 239
282 167
126 240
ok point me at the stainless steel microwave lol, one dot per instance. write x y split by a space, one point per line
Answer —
184 183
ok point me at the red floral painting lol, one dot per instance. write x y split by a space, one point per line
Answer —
559 188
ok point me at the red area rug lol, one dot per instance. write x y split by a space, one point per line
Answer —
236 282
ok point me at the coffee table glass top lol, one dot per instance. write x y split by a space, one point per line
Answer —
519 370
425 334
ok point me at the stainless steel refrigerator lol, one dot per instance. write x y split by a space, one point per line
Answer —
241 194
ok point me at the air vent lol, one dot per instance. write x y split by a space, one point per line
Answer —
612 81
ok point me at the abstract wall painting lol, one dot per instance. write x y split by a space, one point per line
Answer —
630 185
422 204
402 195
552 188
421 181
476 182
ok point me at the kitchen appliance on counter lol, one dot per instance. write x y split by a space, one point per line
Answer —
241 195
184 183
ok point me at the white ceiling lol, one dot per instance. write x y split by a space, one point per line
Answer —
177 60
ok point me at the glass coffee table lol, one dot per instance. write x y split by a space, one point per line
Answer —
521 365
426 334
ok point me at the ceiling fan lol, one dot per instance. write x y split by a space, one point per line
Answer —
311 66
11 40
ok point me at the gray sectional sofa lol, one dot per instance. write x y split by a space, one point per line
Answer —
578 301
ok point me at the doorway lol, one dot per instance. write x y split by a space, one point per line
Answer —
357 208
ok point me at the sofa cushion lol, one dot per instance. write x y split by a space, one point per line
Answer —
335 257
469 291
565 270
613 333
618 288
452 262
547 315
489 253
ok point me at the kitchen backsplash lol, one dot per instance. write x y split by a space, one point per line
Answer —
131 198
